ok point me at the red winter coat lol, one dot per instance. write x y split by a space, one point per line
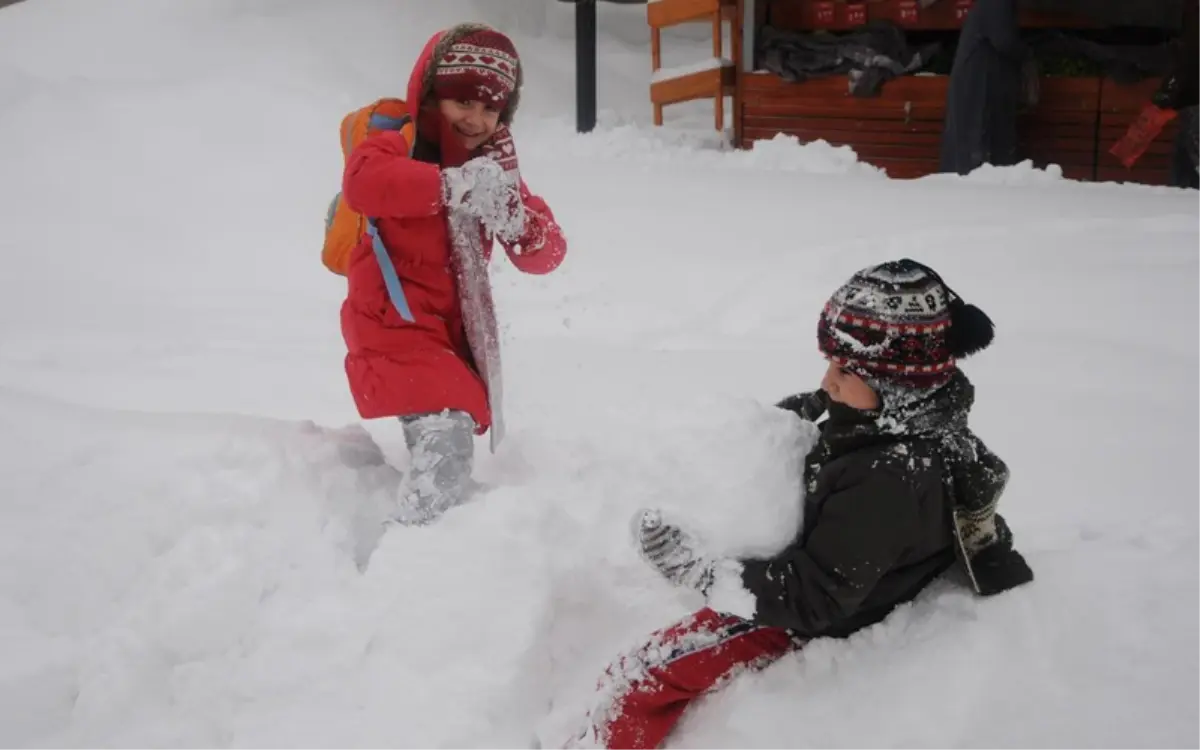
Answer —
398 368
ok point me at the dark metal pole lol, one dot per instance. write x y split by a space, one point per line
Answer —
585 65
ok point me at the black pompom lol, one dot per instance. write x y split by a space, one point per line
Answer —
971 330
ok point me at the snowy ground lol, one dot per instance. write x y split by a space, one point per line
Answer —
189 546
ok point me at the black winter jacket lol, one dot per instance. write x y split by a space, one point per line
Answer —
877 530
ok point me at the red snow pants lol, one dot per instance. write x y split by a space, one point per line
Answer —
644 693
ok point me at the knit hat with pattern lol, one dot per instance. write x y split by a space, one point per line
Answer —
899 323
480 66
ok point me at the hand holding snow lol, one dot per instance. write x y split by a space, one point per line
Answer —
482 188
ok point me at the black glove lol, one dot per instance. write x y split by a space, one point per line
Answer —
808 406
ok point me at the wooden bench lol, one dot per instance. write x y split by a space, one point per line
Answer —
843 15
1061 129
1073 125
899 130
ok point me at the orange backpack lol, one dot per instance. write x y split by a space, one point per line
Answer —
343 226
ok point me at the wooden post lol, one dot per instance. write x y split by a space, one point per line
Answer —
655 64
744 13
718 49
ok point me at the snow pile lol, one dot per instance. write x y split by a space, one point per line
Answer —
174 580
786 152
628 140
172 574
1021 175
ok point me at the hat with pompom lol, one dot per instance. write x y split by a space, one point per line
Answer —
900 322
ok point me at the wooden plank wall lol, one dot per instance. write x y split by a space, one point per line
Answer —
1074 124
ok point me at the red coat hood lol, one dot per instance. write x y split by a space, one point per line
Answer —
419 76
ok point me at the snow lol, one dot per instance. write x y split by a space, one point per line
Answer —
484 190
679 71
728 595
190 546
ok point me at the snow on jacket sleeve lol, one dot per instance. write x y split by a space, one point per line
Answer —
382 181
819 583
542 248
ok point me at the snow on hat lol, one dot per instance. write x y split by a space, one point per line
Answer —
899 322
479 66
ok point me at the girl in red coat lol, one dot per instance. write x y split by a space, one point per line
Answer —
408 351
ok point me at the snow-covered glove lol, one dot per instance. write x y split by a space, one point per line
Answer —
502 149
483 189
673 552
488 188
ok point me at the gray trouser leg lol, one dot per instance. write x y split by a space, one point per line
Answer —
443 452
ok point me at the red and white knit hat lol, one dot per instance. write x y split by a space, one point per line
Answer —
899 322
481 66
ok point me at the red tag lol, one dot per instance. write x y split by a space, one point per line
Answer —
908 11
824 13
1142 132
961 9
856 13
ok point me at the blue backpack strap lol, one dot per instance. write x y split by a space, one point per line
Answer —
390 278
384 122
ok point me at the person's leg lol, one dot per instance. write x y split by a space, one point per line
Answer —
1184 159
443 451
1178 86
643 694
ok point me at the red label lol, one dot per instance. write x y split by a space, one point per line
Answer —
856 13
908 11
824 13
961 8
1141 134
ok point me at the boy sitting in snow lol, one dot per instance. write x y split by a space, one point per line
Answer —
897 489
416 361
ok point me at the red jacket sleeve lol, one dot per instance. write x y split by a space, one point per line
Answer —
542 248
382 181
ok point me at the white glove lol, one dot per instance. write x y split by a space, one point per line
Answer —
482 188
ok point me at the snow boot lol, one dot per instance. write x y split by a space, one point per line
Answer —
443 451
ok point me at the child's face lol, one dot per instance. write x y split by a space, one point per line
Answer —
847 388
473 122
